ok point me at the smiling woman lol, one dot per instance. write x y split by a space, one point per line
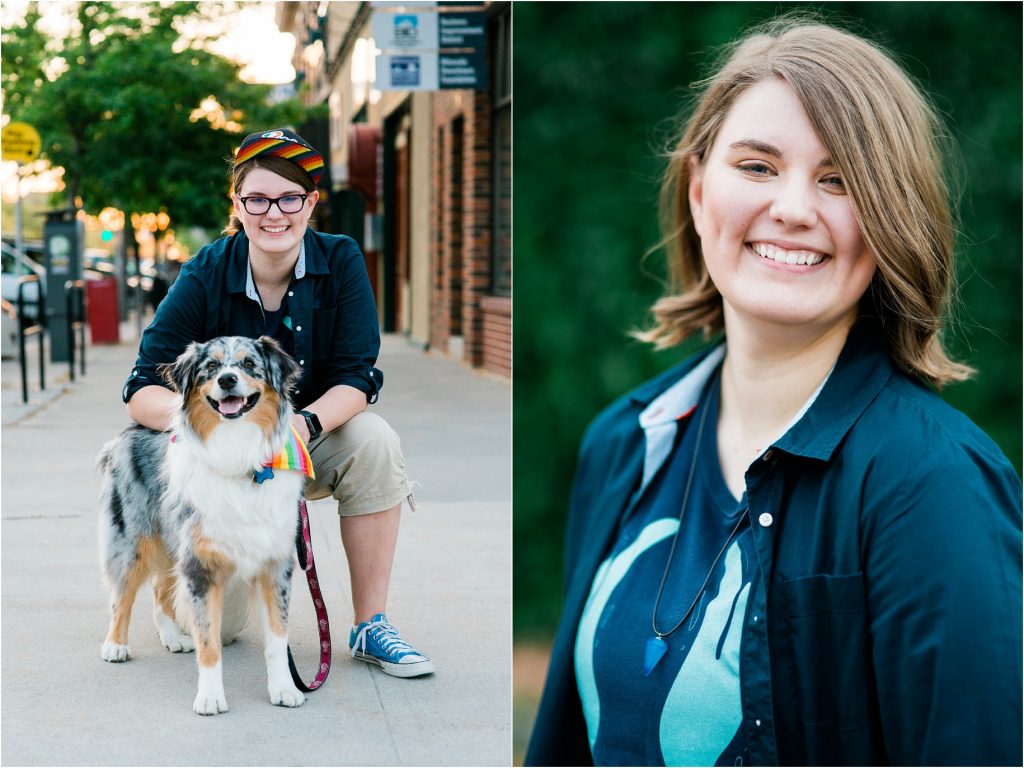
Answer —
788 549
274 276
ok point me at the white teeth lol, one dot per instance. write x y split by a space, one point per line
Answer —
274 230
781 256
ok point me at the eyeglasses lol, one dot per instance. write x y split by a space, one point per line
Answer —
287 204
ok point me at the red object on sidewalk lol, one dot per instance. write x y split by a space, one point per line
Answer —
103 315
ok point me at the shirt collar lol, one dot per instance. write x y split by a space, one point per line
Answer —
300 272
311 261
860 373
858 376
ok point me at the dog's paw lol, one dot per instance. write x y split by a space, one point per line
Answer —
286 696
210 704
178 643
115 652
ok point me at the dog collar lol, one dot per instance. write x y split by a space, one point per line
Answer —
293 455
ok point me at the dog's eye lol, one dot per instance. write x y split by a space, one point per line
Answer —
211 366
249 365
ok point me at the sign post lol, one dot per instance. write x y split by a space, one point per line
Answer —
19 142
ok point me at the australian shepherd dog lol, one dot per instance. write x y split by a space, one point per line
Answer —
182 509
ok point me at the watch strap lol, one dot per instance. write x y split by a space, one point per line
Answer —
312 424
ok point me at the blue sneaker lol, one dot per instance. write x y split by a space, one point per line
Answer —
377 641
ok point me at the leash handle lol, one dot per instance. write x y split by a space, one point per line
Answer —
304 550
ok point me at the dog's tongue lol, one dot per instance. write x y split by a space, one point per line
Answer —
230 405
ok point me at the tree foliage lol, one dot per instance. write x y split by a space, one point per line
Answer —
597 90
116 102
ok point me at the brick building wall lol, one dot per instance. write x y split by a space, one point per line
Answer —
463 230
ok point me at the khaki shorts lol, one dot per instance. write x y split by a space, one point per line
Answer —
361 465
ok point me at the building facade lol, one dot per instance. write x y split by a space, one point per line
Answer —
421 178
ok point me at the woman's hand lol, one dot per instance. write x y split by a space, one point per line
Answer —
299 422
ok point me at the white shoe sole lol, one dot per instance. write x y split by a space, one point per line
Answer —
412 669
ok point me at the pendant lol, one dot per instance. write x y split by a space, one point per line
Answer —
653 653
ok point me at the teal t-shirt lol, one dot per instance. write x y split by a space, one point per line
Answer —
687 710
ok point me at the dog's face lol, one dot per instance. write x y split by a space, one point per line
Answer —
233 377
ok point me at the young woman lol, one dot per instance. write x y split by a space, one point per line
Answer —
788 549
274 275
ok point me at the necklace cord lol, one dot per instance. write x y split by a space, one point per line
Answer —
675 540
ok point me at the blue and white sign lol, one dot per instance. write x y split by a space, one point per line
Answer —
409 71
399 31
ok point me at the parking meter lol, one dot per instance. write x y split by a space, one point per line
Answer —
64 239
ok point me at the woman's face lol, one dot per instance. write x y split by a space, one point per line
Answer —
273 233
777 228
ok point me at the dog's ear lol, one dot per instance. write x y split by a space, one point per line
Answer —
282 369
181 374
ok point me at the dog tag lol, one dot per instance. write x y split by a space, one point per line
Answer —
653 653
266 473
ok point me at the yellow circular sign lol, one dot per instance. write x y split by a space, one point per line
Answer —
21 142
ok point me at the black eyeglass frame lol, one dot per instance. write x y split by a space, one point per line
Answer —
271 201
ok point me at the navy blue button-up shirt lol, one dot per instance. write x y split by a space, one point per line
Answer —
334 316
884 625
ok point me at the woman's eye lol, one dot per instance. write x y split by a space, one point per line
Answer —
755 168
835 182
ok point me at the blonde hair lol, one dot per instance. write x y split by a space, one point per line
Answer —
284 168
888 143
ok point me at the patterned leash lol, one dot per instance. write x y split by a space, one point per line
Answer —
304 549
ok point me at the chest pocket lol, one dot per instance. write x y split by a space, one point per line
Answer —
824 621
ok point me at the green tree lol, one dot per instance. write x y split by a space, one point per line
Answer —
119 105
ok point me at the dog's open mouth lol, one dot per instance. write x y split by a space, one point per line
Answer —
232 407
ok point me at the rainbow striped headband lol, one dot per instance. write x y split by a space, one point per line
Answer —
282 143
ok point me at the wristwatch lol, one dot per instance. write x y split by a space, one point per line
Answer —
312 424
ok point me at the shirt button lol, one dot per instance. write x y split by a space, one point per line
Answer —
298 327
302 362
757 723
755 619
765 520
767 455
291 293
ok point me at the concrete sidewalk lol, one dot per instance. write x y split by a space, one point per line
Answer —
450 595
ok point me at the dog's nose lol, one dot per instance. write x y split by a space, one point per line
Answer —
227 380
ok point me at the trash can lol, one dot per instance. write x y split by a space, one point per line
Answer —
103 316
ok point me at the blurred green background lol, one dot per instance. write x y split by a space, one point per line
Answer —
597 88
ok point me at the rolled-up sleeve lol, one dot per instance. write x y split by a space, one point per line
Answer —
355 341
178 322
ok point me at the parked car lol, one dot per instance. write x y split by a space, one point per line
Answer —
8 330
14 266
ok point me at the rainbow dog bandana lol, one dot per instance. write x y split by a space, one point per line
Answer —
293 455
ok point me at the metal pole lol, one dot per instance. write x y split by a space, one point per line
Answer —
68 290
18 226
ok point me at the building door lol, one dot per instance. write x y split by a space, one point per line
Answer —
397 134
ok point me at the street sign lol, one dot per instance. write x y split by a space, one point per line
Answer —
20 142
462 70
410 71
462 30
429 51
398 31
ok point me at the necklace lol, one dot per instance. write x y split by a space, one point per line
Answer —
656 646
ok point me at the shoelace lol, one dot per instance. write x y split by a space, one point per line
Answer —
386 634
